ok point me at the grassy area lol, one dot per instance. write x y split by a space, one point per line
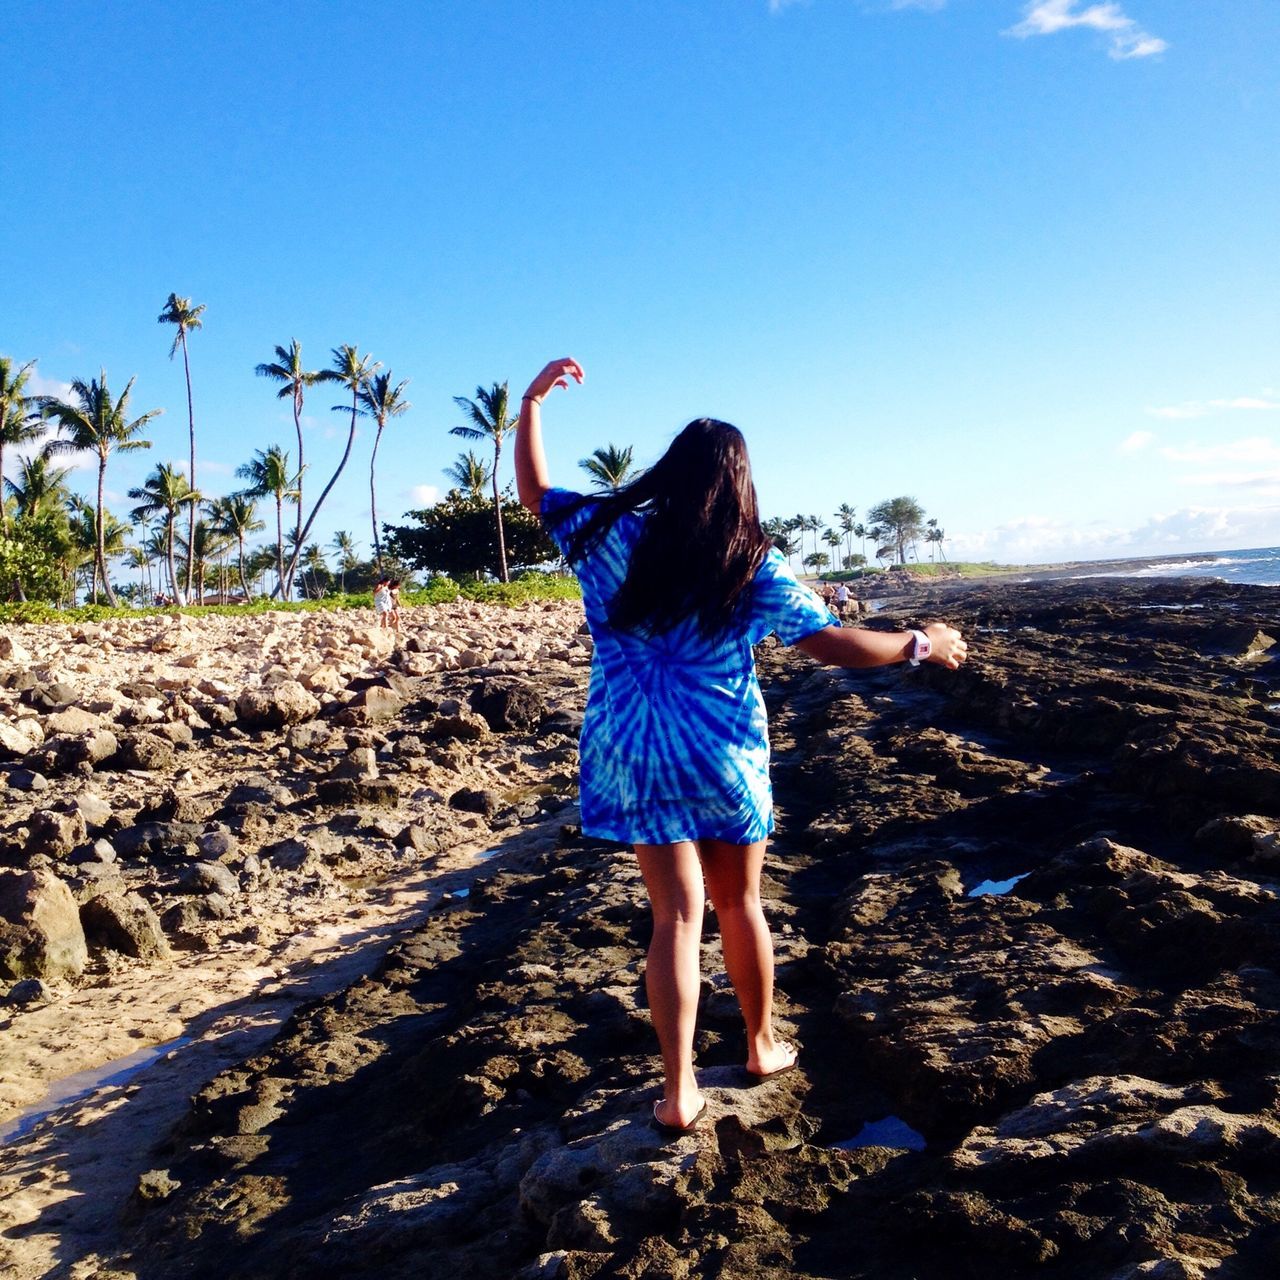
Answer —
939 569
526 587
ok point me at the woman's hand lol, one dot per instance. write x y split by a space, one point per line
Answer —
556 374
947 646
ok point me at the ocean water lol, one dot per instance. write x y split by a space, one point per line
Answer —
1259 566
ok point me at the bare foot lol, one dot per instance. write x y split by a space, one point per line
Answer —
782 1057
672 1118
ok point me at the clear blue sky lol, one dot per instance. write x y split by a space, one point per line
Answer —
1019 260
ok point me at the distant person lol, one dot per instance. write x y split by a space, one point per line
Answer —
828 594
382 602
679 581
843 596
393 589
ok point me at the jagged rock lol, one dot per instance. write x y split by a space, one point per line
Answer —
152 839
124 922
95 811
27 780
19 737
175 806
210 877
463 726
308 736
56 833
71 721
218 845
49 696
484 802
64 752
145 751
341 792
374 705
508 704
29 991
12 651
259 789
276 706
361 762
40 931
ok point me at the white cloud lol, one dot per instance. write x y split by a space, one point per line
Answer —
422 495
1043 540
1252 449
1125 38
1136 442
1203 408
1260 481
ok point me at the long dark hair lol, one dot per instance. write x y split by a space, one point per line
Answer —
701 543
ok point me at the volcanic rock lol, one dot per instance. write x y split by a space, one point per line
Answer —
40 931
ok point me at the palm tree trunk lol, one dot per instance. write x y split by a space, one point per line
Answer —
497 509
244 582
297 528
280 550
102 537
4 511
191 423
373 500
333 479
173 572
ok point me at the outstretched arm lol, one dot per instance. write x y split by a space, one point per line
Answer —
532 480
858 647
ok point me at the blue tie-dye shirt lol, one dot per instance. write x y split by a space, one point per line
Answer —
675 743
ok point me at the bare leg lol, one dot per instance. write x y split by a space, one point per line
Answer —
733 880
673 877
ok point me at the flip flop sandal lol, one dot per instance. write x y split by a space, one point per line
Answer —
759 1077
677 1130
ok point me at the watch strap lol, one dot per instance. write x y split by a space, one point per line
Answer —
921 648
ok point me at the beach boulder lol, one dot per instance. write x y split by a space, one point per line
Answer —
508 704
126 923
40 931
276 706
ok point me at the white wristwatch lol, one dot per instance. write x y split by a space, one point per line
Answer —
921 649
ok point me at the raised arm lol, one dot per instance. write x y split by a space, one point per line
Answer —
858 647
532 479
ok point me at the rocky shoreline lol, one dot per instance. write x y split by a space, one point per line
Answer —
1076 1077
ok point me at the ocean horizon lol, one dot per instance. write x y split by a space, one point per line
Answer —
1257 566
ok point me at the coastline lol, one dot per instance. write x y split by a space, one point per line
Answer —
1107 759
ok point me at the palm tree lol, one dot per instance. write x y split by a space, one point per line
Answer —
380 401
136 557
18 421
98 423
313 559
902 519
609 466
833 540
287 370
268 473
352 370
817 561
845 515
236 517
489 421
345 545
39 487
862 533
179 311
934 536
470 473
163 493
209 543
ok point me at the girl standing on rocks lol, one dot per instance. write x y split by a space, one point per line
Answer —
678 582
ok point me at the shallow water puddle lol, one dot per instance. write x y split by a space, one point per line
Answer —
81 1084
994 888
888 1132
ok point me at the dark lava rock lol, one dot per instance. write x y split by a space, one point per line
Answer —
209 877
508 704
484 802
145 751
49 696
154 839
124 922
340 792
27 780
